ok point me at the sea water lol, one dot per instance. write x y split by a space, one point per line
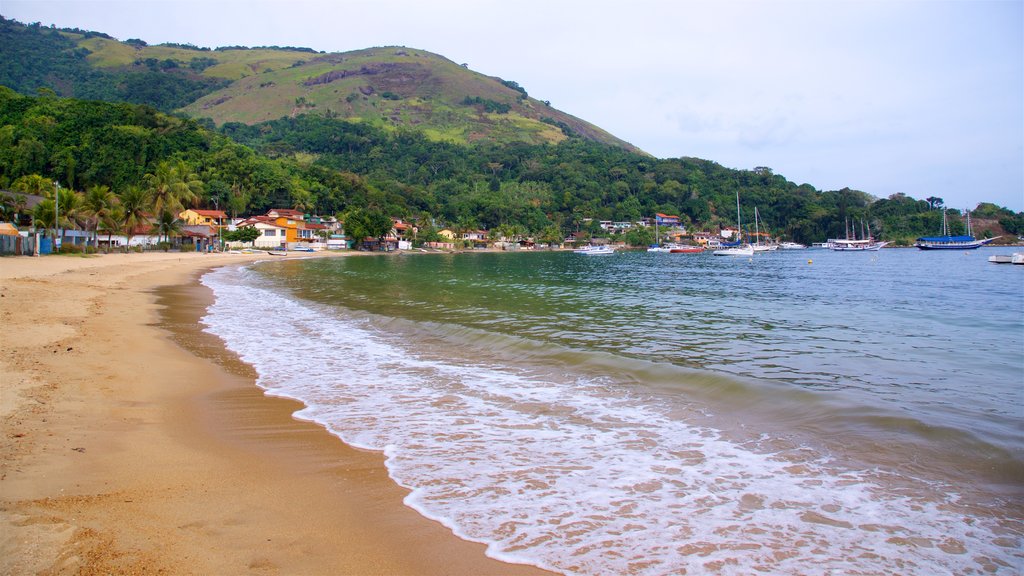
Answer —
802 412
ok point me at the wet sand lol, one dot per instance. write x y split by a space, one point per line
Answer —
135 443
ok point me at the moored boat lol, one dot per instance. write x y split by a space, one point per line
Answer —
792 246
744 250
948 242
681 249
866 245
594 250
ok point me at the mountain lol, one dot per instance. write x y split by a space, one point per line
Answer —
391 87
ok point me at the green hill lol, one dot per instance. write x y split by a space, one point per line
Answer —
398 87
390 88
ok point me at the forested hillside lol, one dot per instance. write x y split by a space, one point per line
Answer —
403 133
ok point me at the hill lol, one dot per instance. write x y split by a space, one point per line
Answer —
390 88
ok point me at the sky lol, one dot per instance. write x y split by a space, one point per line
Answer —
921 97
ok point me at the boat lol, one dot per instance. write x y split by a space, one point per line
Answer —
865 244
741 249
684 249
592 250
303 249
656 248
758 247
744 250
278 252
792 246
947 242
1015 258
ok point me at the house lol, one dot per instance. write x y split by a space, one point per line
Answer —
286 213
666 220
196 217
477 237
729 233
271 235
447 235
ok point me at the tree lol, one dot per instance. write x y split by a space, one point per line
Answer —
245 235
135 203
361 224
98 203
172 185
168 224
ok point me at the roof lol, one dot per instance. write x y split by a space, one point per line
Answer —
8 229
211 213
288 212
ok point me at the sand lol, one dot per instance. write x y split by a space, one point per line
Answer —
134 443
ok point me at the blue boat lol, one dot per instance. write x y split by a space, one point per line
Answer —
947 242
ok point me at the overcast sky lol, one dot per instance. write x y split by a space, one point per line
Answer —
922 97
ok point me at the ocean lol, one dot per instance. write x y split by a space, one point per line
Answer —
798 412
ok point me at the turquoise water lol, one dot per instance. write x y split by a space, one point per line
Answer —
795 412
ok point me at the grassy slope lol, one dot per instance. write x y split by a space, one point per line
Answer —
268 84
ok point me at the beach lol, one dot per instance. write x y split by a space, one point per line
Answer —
133 442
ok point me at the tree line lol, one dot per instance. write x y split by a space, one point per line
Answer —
335 167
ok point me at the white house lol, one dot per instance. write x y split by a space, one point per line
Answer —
271 235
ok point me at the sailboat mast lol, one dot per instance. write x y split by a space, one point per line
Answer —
739 227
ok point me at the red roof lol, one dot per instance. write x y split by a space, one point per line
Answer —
211 213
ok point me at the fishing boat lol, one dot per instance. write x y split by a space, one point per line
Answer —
741 249
947 242
592 250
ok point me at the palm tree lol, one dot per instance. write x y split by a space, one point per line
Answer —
99 200
167 223
135 204
172 186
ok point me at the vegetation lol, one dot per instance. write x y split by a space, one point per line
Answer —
382 132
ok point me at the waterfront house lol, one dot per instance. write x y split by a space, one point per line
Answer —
271 235
196 217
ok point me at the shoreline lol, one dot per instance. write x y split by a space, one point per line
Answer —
135 442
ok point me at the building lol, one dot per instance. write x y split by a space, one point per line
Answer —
271 235
666 220
196 217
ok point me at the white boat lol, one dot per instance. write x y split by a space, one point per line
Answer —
758 247
792 246
659 249
278 252
1015 258
742 249
594 250
866 245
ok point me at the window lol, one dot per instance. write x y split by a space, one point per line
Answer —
270 232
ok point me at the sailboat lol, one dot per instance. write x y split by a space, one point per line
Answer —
947 242
865 244
758 247
742 249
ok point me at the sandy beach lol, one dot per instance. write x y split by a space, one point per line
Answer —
134 443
